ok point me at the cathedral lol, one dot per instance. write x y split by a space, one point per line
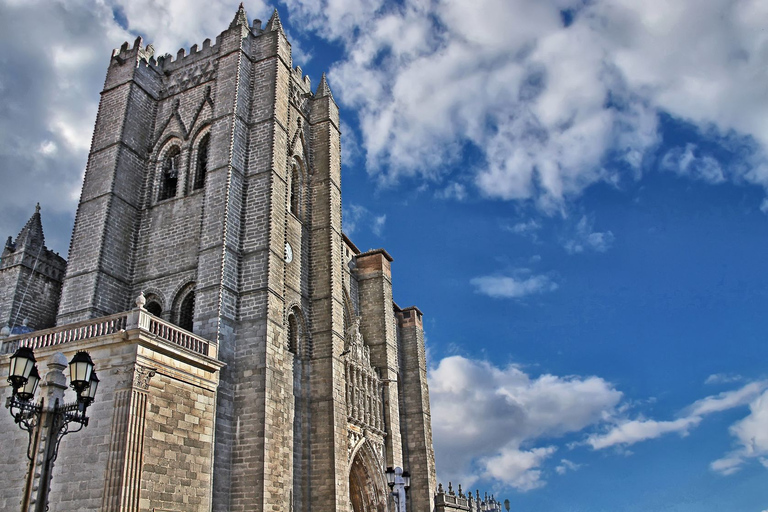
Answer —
250 356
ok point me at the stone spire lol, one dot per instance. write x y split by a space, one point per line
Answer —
322 89
31 235
274 23
240 18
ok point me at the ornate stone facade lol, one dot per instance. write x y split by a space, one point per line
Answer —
213 192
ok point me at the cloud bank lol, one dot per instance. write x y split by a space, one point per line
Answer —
494 422
502 424
554 95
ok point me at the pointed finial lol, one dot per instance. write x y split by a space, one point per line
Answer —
32 232
274 23
141 300
323 89
240 18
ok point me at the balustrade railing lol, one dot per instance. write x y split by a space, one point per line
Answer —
104 326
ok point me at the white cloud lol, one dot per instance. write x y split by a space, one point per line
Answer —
356 217
727 400
723 378
751 438
485 418
685 162
567 465
586 239
453 190
518 468
631 432
626 432
551 108
526 228
513 287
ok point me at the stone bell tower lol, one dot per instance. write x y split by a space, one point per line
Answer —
213 187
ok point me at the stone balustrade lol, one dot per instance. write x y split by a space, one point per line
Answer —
137 318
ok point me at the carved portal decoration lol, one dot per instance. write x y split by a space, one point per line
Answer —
365 427
367 485
363 386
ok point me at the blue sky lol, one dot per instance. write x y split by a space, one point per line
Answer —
574 194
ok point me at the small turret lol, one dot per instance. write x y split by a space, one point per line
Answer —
240 18
274 24
31 235
30 279
323 90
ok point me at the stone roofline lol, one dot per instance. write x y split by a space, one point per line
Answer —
412 308
371 252
350 243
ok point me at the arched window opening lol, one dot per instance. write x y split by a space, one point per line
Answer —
154 308
295 190
170 177
293 334
202 162
187 312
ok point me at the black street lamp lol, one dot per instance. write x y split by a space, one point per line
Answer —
390 473
47 425
22 363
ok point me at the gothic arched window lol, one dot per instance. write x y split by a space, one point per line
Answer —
187 312
170 174
202 162
295 186
154 308
293 334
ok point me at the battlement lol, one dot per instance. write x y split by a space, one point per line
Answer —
136 52
168 63
299 75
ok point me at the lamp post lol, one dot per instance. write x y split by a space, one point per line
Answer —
402 480
46 425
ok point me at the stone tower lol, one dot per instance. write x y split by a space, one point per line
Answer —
30 279
213 187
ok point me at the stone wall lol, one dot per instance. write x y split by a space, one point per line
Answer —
149 442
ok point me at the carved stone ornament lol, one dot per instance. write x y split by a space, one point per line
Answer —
354 344
142 377
191 76
299 99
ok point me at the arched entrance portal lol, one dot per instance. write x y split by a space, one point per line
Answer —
367 487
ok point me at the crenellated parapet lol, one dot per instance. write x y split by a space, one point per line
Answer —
458 501
136 53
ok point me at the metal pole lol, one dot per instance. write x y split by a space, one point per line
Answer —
31 465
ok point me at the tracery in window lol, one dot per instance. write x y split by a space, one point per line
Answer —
202 162
187 312
295 186
170 174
